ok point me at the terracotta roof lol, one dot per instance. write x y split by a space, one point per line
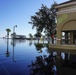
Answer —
67 2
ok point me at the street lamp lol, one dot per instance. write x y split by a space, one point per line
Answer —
14 30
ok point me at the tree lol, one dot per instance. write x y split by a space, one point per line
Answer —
30 35
8 30
38 35
7 52
45 19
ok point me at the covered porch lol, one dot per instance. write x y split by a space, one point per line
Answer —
69 37
69 30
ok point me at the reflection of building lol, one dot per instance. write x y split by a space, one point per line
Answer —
66 17
18 36
17 41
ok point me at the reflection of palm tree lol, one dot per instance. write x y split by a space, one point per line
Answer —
8 30
7 52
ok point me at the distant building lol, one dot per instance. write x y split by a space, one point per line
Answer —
18 36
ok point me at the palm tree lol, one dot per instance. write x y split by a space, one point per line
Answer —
8 30
8 53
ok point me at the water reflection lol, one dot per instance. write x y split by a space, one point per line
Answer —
30 42
39 47
44 61
68 60
17 41
57 63
43 65
13 45
7 51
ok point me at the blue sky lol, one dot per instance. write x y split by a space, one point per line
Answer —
19 12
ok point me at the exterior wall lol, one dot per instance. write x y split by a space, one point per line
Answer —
66 19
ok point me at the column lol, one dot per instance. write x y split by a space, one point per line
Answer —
71 37
66 37
59 37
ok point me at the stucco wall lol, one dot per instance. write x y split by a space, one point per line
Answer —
65 22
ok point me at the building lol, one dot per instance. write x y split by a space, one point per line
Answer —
66 22
18 36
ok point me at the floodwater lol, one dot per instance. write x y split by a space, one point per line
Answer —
23 57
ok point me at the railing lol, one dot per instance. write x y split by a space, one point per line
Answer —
65 41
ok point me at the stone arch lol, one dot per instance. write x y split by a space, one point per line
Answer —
69 25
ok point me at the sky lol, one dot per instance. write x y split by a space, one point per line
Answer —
19 12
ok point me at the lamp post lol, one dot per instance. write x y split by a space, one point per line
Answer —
14 30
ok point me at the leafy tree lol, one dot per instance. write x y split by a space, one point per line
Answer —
38 35
30 35
8 30
45 19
